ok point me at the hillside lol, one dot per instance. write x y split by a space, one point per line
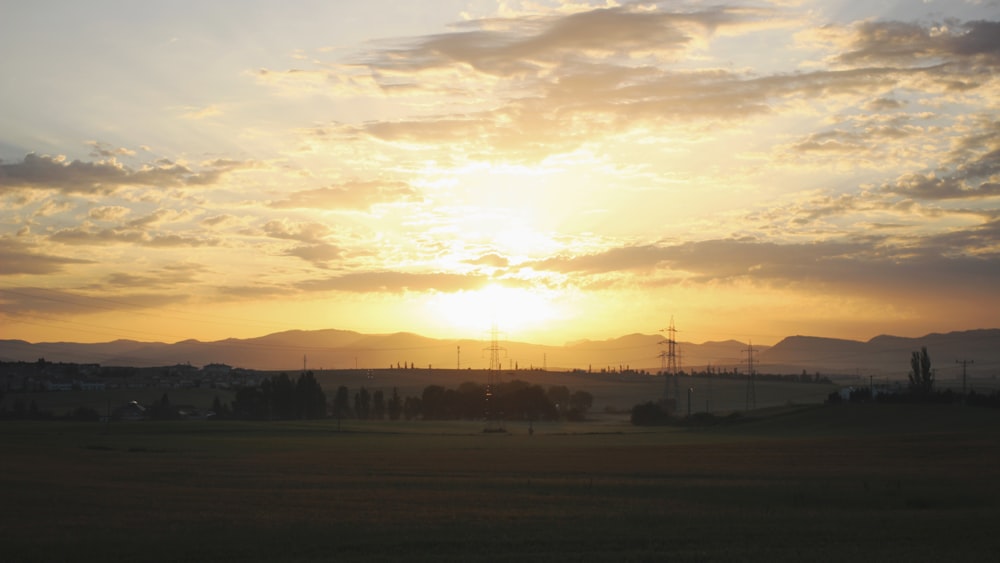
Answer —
885 355
339 349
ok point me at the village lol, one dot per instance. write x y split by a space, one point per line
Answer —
44 376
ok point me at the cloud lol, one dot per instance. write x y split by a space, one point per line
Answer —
105 150
394 282
620 259
19 258
492 259
318 254
104 177
52 207
27 300
218 220
87 234
108 213
975 174
530 44
302 232
354 195
169 276
895 42
931 267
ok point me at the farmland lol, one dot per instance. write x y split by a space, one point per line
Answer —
879 482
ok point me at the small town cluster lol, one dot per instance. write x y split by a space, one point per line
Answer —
58 376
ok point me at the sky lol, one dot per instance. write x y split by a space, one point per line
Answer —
561 170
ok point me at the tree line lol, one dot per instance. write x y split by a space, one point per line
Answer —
511 400
279 398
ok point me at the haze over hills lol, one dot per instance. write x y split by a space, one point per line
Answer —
340 349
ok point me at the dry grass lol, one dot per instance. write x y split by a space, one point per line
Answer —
801 485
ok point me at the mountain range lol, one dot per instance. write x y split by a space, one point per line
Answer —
340 349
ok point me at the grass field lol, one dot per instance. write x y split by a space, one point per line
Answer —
851 482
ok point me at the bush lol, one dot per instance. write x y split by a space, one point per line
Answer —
649 414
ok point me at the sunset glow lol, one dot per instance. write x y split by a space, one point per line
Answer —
564 169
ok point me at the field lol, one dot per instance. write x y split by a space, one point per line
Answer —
887 483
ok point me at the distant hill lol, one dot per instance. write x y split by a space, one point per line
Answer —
341 349
885 355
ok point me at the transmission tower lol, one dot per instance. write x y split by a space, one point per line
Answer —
751 389
668 363
494 418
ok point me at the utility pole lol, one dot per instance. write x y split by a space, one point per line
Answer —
751 390
964 364
458 357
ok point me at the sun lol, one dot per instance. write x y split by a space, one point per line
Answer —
515 311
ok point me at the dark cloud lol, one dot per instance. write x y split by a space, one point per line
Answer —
884 104
19 258
355 195
395 282
935 265
514 47
103 177
217 220
169 276
627 258
19 301
895 42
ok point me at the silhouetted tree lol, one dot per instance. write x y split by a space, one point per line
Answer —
378 405
649 414
581 401
341 402
432 403
162 410
395 406
412 408
220 409
310 400
559 395
362 404
280 395
921 376
249 403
